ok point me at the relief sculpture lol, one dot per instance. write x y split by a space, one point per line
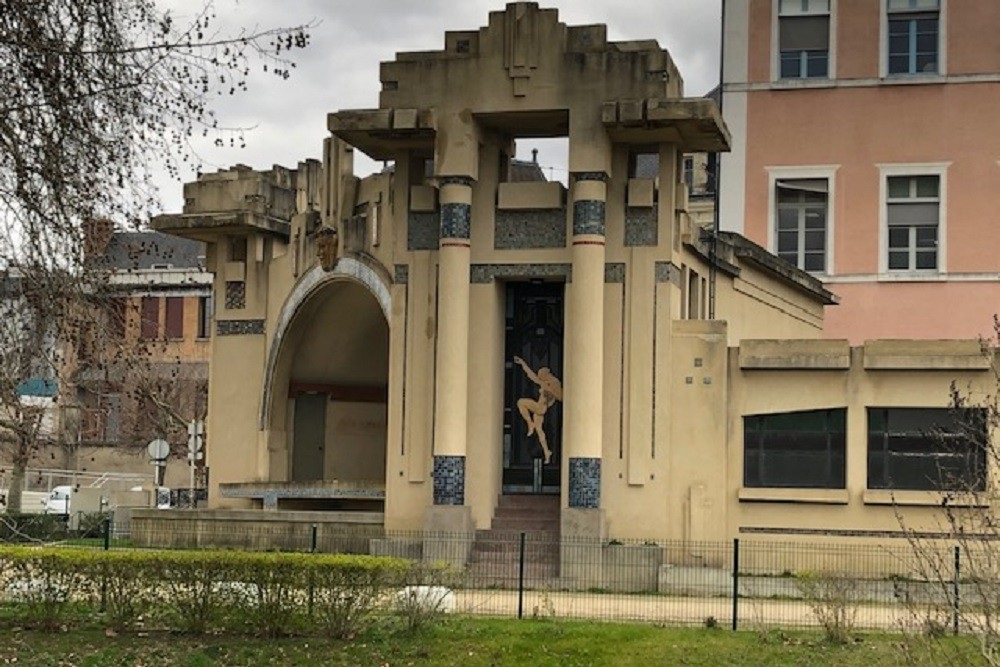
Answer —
533 410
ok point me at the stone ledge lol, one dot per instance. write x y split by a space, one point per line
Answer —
794 354
929 355
797 495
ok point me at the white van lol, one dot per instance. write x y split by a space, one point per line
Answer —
58 500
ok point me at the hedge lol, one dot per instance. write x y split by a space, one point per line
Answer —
270 594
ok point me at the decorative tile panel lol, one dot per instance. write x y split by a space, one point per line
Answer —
239 327
530 229
236 295
585 482
640 227
402 274
588 217
666 272
591 176
449 480
422 231
467 181
614 272
456 221
487 273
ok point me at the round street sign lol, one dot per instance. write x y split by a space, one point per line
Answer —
158 449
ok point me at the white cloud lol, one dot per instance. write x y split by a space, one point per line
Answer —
339 69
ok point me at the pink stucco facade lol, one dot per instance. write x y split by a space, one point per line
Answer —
860 126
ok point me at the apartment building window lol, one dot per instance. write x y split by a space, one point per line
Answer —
913 29
174 325
801 206
205 308
913 208
804 38
149 317
689 172
927 449
795 449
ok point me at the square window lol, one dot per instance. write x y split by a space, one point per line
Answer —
913 210
913 37
804 39
801 225
927 449
795 449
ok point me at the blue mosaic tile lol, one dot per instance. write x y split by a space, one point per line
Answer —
640 227
449 480
239 327
467 181
585 482
456 221
487 273
422 231
402 274
588 217
530 229
591 176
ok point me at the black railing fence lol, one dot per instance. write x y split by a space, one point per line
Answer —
740 584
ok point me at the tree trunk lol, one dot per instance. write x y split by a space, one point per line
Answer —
16 487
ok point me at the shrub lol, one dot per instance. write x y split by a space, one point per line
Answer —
21 528
44 583
832 596
347 591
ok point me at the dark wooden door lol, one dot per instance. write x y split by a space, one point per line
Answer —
309 440
534 332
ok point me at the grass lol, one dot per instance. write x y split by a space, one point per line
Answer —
466 641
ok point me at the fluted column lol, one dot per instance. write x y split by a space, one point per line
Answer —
452 380
584 370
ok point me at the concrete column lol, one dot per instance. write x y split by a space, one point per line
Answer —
452 362
584 370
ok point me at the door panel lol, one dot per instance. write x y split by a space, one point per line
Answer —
308 449
534 332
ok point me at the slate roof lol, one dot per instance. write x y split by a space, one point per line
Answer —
147 250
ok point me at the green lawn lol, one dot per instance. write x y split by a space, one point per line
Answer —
466 641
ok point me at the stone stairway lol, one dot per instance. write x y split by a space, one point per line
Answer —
494 560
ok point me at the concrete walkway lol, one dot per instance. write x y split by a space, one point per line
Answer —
676 610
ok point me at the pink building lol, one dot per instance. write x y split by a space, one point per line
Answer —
866 150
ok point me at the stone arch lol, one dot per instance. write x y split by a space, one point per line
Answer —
311 283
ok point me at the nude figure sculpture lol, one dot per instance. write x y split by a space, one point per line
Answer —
533 410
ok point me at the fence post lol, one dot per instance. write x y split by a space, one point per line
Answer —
955 584
736 581
520 578
107 533
312 547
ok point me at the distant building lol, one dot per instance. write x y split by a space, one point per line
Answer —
142 367
865 152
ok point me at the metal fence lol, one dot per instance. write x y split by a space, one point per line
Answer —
739 584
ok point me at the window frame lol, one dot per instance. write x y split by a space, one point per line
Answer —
887 171
981 467
831 66
836 448
149 318
942 42
173 318
815 172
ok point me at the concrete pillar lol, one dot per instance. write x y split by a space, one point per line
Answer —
452 360
584 370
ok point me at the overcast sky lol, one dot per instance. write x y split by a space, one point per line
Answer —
339 69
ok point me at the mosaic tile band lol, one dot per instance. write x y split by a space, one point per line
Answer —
456 221
239 327
585 483
449 480
588 217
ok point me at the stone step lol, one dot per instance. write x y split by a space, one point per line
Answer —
529 500
489 575
527 524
